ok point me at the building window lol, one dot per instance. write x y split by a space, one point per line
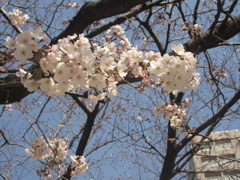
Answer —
206 147
213 176
227 160
223 144
231 176
209 161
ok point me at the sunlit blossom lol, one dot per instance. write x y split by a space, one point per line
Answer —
22 53
31 85
179 49
36 33
10 43
46 84
17 18
76 65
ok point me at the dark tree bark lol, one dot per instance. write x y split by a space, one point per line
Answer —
93 11
213 37
91 116
12 90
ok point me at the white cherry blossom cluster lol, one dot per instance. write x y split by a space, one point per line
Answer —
176 122
74 63
78 165
41 149
119 32
7 107
56 152
60 149
172 112
175 73
169 110
69 5
17 18
25 44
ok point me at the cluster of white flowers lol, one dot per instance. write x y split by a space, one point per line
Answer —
169 110
40 148
7 107
176 122
69 5
119 32
17 18
73 63
175 73
172 112
25 44
56 152
75 5
78 165
60 150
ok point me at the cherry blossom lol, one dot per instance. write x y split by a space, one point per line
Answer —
46 84
76 64
173 113
17 18
31 85
10 43
179 49
61 72
22 53
56 151
78 164
41 149
24 38
36 33
97 81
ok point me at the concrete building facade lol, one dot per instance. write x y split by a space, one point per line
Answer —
218 157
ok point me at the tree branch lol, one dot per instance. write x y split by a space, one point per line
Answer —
207 40
85 137
93 11
5 15
210 121
79 101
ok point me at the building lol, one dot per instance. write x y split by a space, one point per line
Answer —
218 157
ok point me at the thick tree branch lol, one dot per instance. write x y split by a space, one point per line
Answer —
153 34
123 18
169 160
12 90
93 11
79 101
208 40
85 137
